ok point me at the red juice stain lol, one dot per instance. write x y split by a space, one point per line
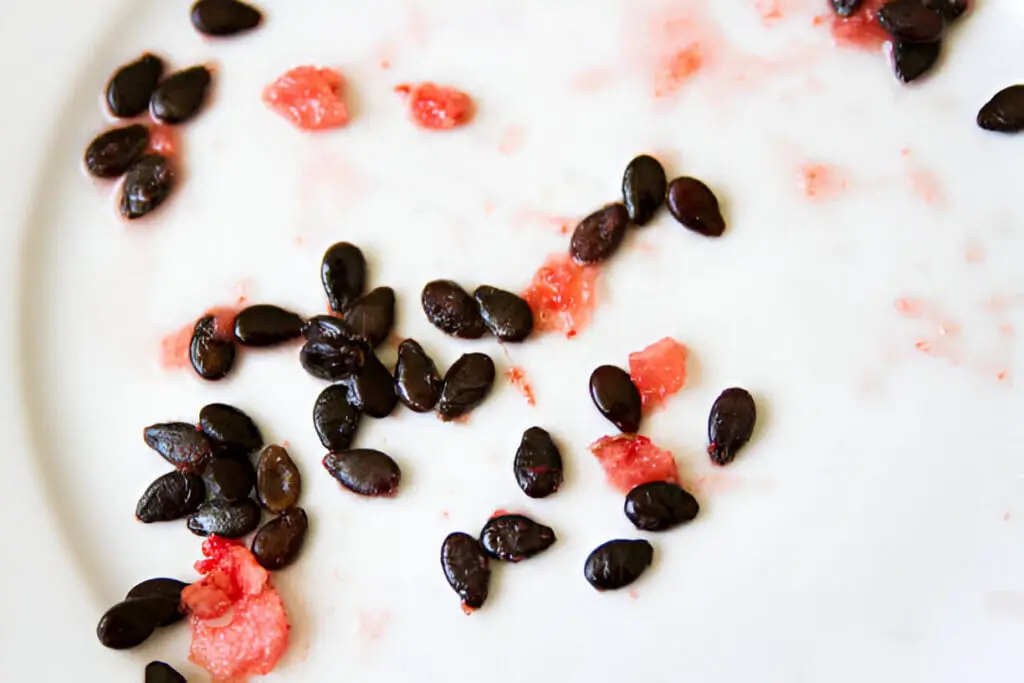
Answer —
174 347
309 98
511 140
562 295
821 181
685 43
501 512
517 378
974 253
659 371
861 31
164 140
630 460
437 107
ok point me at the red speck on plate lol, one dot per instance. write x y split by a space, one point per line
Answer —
517 378
630 460
861 30
685 42
163 139
562 295
310 98
658 371
501 512
511 140
821 181
437 107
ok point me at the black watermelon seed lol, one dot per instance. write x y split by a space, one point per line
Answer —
911 21
231 478
364 471
695 206
132 85
466 385
278 482
343 273
467 569
452 310
618 563
172 496
329 328
161 672
112 152
616 397
212 357
846 8
513 538
372 390
730 424
266 325
333 361
224 17
910 61
169 589
220 518
278 543
181 444
181 95
335 419
643 188
951 10
659 505
506 315
147 184
230 429
538 464
1004 113
599 235
131 622
372 315
417 382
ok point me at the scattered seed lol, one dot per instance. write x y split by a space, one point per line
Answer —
343 273
466 385
131 622
278 481
417 382
147 184
372 315
660 505
452 310
514 538
599 235
278 542
181 444
506 315
694 205
538 464
466 567
364 471
335 419
846 8
230 478
212 358
951 10
169 589
618 563
1004 113
333 361
730 424
911 21
181 95
229 428
221 518
160 672
113 151
643 188
266 325
372 390
224 17
331 329
171 496
616 397
910 61
132 85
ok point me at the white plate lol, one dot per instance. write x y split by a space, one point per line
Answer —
872 530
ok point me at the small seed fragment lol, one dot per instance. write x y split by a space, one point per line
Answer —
230 429
171 496
278 481
617 563
230 478
364 471
616 397
599 235
910 61
1004 113
659 505
695 206
467 569
452 310
466 385
224 17
112 152
372 315
514 538
730 424
417 382
506 315
643 188
132 85
131 622
147 184
161 672
180 444
266 325
911 21
538 464
372 390
169 589
212 357
343 273
181 95
278 543
221 518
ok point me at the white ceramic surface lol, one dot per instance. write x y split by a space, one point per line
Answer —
872 530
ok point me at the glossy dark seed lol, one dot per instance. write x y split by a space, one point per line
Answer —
131 622
221 518
730 424
278 543
113 151
846 8
132 85
230 478
278 482
513 538
467 569
181 95
659 505
417 382
329 328
212 357
171 496
618 563
372 315
643 188
506 315
951 10
230 429
616 397
452 310
599 235
160 672
372 390
335 419
169 589
910 61
466 385
693 204
266 325
364 471
333 361
343 273
224 17
181 444
147 184
1004 113
538 464
911 21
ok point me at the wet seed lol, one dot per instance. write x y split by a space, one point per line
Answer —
1004 113
417 382
618 563
278 482
230 429
221 518
181 95
212 358
911 21
335 419
131 622
538 464
659 505
695 206
224 17
372 390
168 589
343 273
147 184
172 496
616 397
514 538
599 235
643 188
372 315
266 325
132 85
161 672
506 315
452 310
910 61
467 569
730 424
846 8
466 385
230 478
278 542
333 361
364 471
329 328
113 151
951 10
181 444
